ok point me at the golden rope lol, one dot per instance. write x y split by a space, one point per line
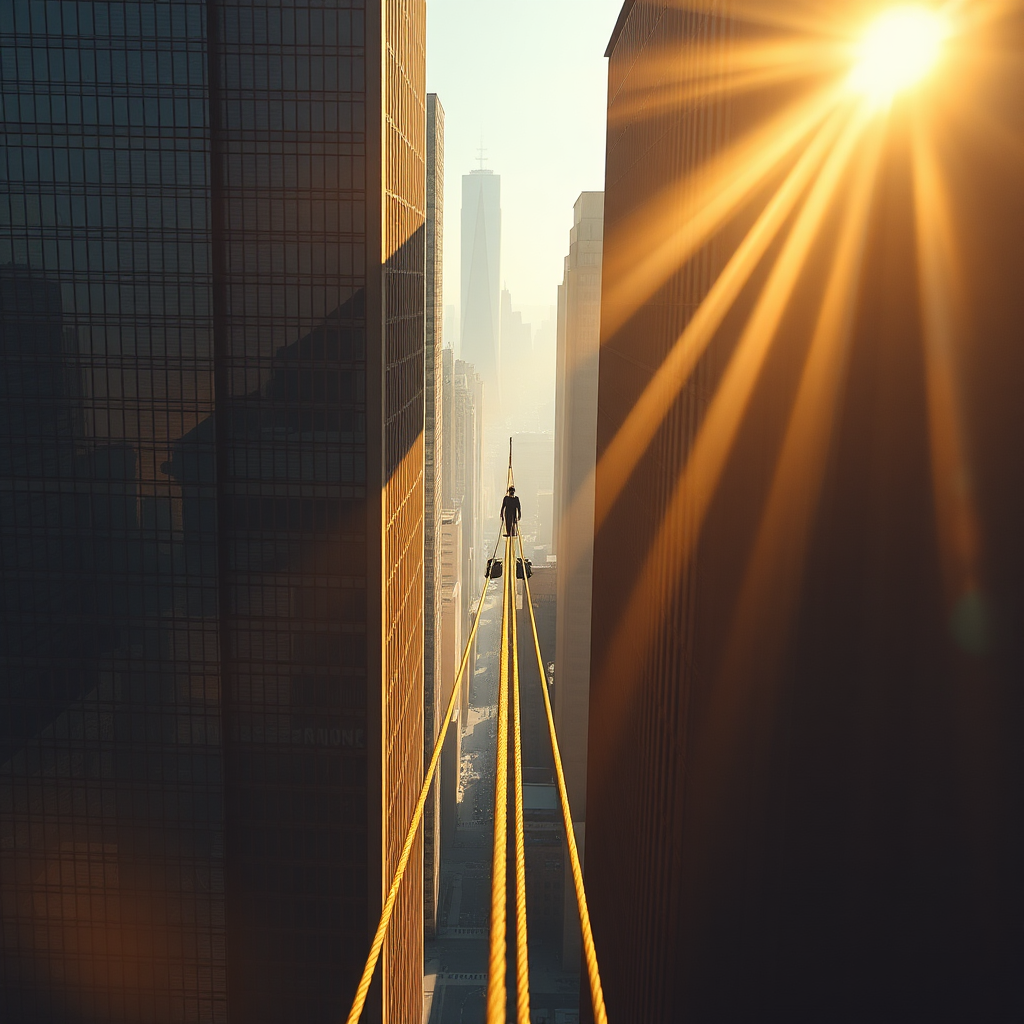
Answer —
522 955
496 993
389 904
589 952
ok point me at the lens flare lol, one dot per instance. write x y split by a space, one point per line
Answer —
899 49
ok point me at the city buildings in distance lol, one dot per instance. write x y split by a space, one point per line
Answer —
480 255
451 656
461 414
467 455
579 316
516 348
433 448
534 465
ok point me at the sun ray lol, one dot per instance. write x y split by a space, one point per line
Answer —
645 256
771 583
821 20
971 15
940 306
671 549
647 413
796 56
671 96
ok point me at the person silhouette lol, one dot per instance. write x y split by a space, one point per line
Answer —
511 512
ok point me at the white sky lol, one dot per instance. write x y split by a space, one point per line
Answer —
531 77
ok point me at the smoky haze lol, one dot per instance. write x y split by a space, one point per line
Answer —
523 87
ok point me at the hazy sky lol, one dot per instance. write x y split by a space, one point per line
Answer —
530 77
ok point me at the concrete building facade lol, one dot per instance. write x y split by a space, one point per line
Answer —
806 742
451 656
467 451
433 446
448 498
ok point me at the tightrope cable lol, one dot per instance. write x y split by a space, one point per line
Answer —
497 995
522 954
589 951
389 904
508 678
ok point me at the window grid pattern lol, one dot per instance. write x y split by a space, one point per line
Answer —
403 286
649 153
291 147
111 822
434 695
184 591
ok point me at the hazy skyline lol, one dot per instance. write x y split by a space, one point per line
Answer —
531 79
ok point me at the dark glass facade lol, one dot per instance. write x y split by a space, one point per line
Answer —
111 769
287 100
211 378
806 749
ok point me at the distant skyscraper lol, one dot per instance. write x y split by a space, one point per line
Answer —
476 391
806 766
433 446
450 329
451 655
579 302
534 465
211 486
449 498
467 416
480 322
543 393
517 377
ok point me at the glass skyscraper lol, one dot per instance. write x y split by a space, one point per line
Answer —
211 505
480 330
806 725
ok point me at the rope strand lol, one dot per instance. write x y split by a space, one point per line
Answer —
389 904
589 951
497 995
522 952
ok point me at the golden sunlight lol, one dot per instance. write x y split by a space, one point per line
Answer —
898 50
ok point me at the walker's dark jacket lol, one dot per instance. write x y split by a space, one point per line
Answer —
511 510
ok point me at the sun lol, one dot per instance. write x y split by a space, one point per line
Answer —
899 49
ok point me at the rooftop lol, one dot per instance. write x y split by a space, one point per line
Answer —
619 23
